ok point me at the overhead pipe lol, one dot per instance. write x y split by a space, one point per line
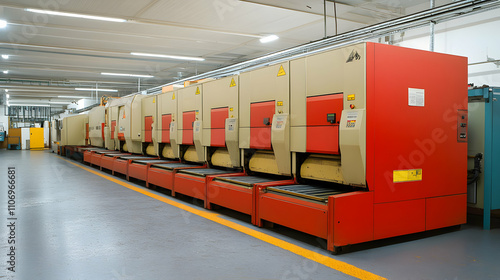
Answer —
431 37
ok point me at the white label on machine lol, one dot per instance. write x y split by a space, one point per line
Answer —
230 124
416 97
351 119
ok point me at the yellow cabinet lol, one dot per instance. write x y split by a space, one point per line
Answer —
36 138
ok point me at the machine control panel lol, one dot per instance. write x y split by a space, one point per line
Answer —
462 121
331 118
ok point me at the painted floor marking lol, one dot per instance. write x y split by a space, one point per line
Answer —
308 254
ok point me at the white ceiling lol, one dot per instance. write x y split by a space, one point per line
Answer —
65 52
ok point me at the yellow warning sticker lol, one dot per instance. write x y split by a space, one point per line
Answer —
351 97
408 175
231 109
280 103
173 96
232 84
197 90
281 72
154 99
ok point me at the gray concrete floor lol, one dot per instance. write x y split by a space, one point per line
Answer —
73 224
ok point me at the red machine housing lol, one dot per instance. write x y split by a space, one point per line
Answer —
398 137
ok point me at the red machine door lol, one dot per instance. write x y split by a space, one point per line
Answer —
218 125
165 128
148 129
187 127
323 118
261 118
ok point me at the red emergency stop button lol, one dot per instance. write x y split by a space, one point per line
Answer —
352 106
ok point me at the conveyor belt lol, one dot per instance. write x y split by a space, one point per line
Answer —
91 149
204 171
128 157
171 166
146 161
306 191
116 155
246 180
107 152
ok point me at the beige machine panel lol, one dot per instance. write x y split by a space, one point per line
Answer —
218 94
113 110
150 108
267 84
130 123
167 104
190 99
223 93
96 119
74 130
329 73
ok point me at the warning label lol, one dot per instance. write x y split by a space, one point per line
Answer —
281 72
351 119
416 97
408 175
197 90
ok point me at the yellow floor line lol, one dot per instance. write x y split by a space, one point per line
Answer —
311 255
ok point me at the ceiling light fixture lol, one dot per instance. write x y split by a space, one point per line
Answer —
169 56
6 90
7 95
6 71
8 104
3 23
127 75
54 13
31 105
5 56
72 96
269 38
96 89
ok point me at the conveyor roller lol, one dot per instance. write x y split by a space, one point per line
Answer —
306 191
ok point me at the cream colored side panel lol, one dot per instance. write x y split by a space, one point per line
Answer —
148 108
298 90
74 130
167 104
96 119
266 84
190 99
218 94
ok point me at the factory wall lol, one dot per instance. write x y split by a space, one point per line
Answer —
471 36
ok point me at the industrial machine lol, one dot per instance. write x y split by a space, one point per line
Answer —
129 125
185 135
484 151
75 130
360 143
112 110
392 168
149 130
264 101
138 167
96 126
219 138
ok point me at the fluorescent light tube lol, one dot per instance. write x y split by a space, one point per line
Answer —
269 38
72 96
127 75
7 95
54 13
3 23
32 105
169 56
6 71
99 89
5 56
